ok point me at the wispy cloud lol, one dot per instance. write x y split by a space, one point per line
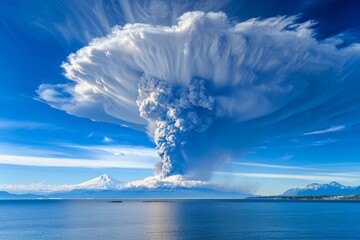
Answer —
90 135
356 164
28 150
345 174
322 142
16 124
262 165
286 157
117 150
292 176
88 156
331 129
75 162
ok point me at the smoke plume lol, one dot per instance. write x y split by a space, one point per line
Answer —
175 112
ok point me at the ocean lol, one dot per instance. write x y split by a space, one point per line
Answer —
183 219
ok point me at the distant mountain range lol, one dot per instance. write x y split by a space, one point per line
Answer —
106 187
6 195
328 189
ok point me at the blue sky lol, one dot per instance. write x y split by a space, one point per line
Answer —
41 144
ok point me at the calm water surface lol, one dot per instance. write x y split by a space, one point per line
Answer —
101 219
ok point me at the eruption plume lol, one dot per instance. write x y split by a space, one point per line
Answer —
208 89
176 112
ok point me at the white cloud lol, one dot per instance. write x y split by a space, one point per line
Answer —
171 181
107 139
331 129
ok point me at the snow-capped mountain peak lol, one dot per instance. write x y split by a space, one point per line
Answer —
102 182
316 189
313 186
336 184
316 186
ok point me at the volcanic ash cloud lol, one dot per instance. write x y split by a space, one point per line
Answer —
208 89
176 112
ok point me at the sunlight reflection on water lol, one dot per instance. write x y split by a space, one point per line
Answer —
101 219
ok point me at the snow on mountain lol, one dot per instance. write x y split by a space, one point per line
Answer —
327 189
103 182
105 186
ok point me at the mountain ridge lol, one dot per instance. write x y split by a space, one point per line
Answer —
106 187
325 189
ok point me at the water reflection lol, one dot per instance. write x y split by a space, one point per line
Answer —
162 220
84 220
